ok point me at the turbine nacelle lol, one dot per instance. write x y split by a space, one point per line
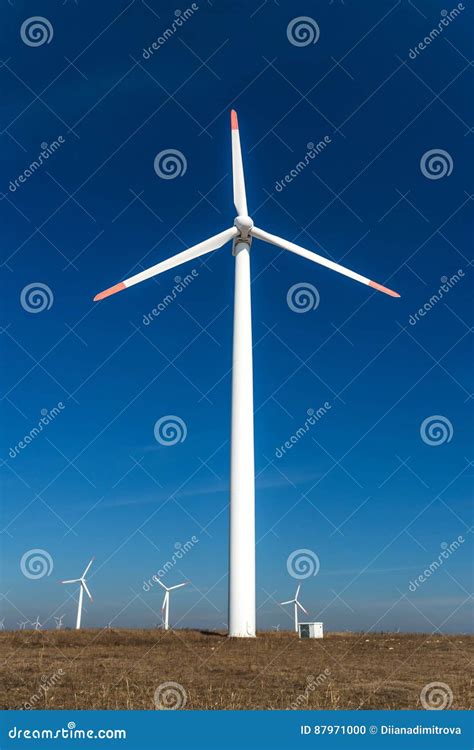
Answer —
245 225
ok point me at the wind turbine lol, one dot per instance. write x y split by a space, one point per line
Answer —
165 607
37 625
242 469
82 587
23 624
59 622
2 624
296 604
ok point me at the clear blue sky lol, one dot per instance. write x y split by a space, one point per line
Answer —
361 489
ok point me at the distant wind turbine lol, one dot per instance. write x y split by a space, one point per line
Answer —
59 622
22 625
2 624
36 624
296 604
165 607
242 606
82 587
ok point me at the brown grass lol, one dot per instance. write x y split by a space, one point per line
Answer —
121 669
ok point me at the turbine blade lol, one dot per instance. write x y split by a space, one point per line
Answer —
87 569
290 601
193 252
301 607
240 199
161 583
84 585
297 591
71 580
178 586
279 242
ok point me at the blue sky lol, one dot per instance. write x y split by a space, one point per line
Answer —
361 490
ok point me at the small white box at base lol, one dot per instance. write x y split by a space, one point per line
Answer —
310 629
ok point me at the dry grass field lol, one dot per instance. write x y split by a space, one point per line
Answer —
122 669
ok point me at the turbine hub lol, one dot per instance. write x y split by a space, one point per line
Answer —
245 225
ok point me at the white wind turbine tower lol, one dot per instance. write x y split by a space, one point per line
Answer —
296 603
82 587
242 470
165 607
2 624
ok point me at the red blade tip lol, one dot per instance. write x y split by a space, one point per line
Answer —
233 120
109 291
383 289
